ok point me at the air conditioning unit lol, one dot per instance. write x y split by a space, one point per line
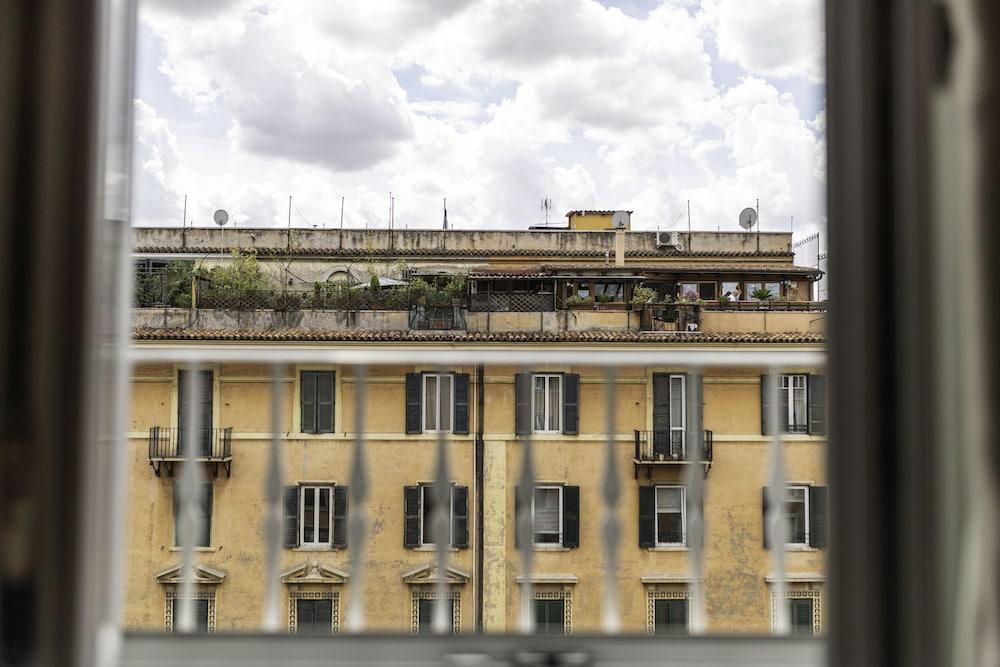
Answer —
669 240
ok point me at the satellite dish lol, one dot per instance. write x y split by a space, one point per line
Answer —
748 218
221 218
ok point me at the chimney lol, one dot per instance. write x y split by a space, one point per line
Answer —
619 247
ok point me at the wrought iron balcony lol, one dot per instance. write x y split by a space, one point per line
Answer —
168 445
669 447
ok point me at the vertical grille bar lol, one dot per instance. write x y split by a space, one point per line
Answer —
695 496
273 512
611 528
775 524
189 518
524 524
441 528
358 519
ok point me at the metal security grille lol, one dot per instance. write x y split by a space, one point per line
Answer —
361 360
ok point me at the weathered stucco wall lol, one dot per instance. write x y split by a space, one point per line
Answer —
737 595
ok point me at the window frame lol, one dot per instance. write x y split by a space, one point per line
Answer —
547 414
805 505
656 515
429 487
315 544
558 488
682 427
788 423
300 374
437 412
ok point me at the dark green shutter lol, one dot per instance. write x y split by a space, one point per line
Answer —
411 517
817 404
817 517
765 405
460 517
291 517
461 426
571 516
571 404
800 615
661 405
307 401
340 496
522 406
204 395
765 505
647 516
324 402
414 402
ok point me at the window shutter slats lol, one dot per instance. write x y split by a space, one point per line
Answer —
571 404
647 516
411 517
661 403
817 517
307 401
765 405
765 505
414 403
571 517
460 517
517 515
291 517
340 496
461 426
522 391
817 404
324 402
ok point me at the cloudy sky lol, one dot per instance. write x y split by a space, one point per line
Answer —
492 104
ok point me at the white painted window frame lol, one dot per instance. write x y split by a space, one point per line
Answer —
656 522
437 413
558 488
682 427
788 387
805 493
547 407
315 489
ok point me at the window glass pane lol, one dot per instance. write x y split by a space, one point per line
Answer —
430 402
732 289
583 290
324 515
795 510
200 614
800 614
799 402
671 617
689 291
774 288
539 403
425 615
429 507
555 405
445 418
546 515
308 514
706 291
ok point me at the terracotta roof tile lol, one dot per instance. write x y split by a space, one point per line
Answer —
376 336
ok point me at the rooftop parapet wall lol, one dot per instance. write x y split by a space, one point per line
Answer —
450 242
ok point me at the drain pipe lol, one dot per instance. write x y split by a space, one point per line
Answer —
480 407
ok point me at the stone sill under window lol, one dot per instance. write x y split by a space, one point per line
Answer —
800 547
669 547
198 549
433 547
550 547
319 547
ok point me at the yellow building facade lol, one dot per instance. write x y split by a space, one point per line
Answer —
485 414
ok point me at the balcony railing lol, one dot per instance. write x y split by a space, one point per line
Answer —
670 316
512 303
437 318
168 445
666 447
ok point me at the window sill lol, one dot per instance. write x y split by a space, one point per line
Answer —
432 548
550 547
669 547
319 547
800 547
197 549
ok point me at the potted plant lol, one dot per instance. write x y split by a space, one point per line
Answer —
763 296
455 289
641 296
577 301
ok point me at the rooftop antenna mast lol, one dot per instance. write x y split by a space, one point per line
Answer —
445 225
546 207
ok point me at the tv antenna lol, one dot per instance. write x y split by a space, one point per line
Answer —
546 207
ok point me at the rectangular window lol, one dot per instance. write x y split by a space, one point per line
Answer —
688 291
316 524
428 509
773 288
425 615
678 415
316 398
550 617
200 614
546 399
546 513
439 408
800 615
797 513
670 617
707 291
670 515
610 291
203 538
793 403
732 290
313 617
583 290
